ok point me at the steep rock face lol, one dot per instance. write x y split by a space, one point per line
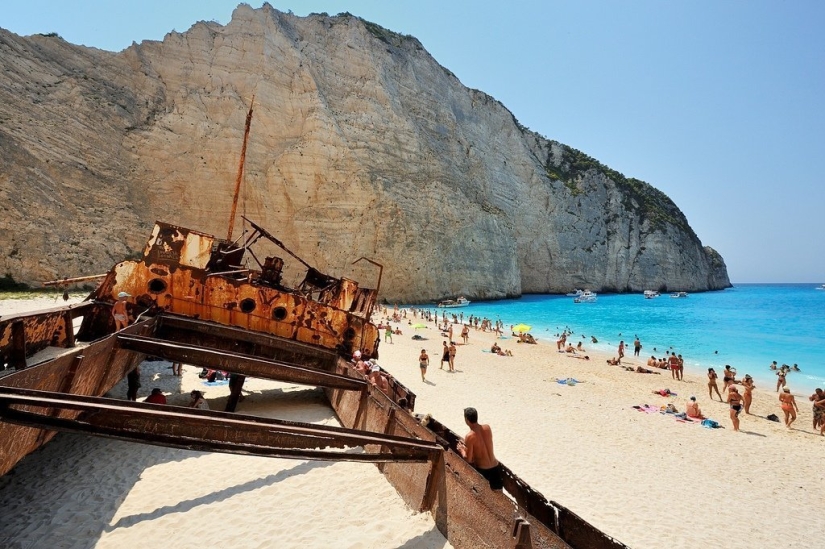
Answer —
361 145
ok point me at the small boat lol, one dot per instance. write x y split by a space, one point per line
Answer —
679 294
821 287
575 293
460 301
586 297
650 294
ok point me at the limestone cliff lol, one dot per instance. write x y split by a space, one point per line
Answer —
361 145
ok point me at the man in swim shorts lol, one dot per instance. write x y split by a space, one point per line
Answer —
477 449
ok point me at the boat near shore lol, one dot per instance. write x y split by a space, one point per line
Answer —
651 294
586 297
460 301
679 295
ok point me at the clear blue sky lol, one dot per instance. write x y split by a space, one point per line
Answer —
718 103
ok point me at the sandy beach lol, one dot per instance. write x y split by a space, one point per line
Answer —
643 478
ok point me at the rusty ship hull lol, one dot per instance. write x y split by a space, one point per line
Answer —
193 300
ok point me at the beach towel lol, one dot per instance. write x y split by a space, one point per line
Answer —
216 383
568 381
710 424
648 409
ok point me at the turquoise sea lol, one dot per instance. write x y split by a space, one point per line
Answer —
747 326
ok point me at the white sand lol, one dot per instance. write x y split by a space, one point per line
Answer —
82 492
645 479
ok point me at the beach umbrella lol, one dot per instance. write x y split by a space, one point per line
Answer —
419 325
521 328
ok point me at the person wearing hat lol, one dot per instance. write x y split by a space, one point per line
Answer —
747 395
197 400
119 312
788 404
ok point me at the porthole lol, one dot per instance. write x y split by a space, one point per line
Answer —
157 286
248 305
279 313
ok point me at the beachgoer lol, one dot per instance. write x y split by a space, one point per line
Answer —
388 334
735 401
477 449
423 362
637 347
681 368
197 400
652 362
780 379
621 350
640 370
692 409
445 355
818 399
673 363
773 365
451 355
177 369
119 312
133 383
747 395
788 405
157 397
465 334
728 376
580 347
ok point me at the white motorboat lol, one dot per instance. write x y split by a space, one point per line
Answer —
818 287
586 297
679 294
575 293
460 301
650 294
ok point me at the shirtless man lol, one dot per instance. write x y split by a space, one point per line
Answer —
652 362
119 312
673 362
451 355
465 333
818 398
445 355
637 347
477 449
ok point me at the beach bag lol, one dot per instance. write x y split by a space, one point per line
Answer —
772 417
710 424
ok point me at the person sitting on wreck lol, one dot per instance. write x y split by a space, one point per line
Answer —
477 449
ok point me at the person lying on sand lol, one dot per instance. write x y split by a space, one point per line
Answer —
614 362
640 370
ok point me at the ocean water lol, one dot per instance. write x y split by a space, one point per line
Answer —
747 326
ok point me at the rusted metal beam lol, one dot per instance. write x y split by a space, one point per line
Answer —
177 328
204 430
17 356
65 281
238 363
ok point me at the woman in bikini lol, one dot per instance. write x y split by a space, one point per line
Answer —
747 396
423 362
712 386
735 401
728 377
789 407
780 380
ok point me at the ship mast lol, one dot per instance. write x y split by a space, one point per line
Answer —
240 170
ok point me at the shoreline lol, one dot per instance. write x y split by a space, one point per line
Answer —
574 444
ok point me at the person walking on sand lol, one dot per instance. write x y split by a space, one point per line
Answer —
637 347
673 364
621 350
465 334
477 449
712 386
119 312
445 356
133 383
747 395
788 405
388 334
451 352
423 362
780 379
735 401
818 399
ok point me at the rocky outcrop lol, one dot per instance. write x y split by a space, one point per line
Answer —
361 145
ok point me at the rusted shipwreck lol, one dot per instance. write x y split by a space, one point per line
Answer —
194 301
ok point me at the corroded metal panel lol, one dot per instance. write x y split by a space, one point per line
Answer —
102 367
45 328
